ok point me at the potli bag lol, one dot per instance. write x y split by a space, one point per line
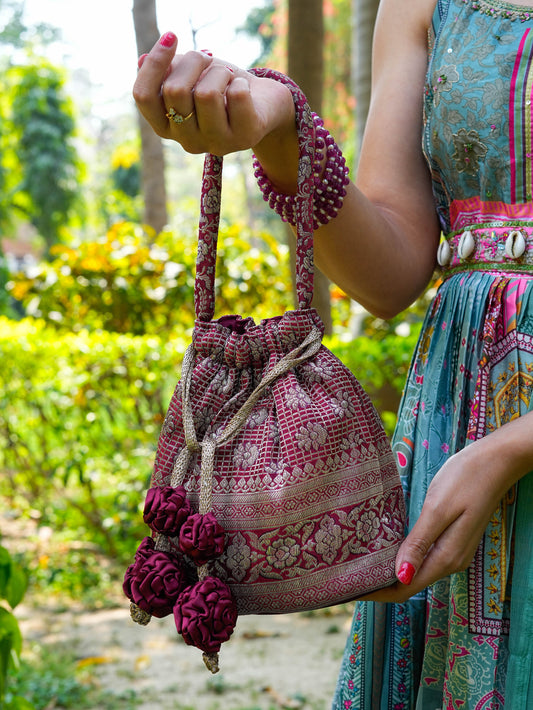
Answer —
274 488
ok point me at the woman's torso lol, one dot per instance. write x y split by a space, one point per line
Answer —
478 130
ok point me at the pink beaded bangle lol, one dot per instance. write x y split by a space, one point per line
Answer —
330 180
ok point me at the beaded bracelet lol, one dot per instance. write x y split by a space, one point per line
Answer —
330 180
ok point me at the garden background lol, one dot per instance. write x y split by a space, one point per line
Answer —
98 222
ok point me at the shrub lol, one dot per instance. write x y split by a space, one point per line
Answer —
79 419
132 281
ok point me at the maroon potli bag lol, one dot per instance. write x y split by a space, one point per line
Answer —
274 488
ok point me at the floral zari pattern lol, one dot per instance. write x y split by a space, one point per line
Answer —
308 486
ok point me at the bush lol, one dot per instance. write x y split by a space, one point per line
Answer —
51 677
80 415
131 281
79 419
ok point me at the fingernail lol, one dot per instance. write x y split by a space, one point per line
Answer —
168 39
406 573
206 51
140 62
231 70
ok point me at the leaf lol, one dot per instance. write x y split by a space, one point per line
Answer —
94 661
5 570
9 629
18 703
10 645
16 586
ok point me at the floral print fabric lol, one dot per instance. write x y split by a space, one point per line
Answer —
472 372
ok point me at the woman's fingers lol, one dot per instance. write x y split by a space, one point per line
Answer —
157 69
153 68
447 555
208 96
209 106
247 123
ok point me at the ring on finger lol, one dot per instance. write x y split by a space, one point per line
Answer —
178 118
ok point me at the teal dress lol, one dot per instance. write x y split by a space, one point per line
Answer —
465 643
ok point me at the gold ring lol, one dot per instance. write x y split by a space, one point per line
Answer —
173 115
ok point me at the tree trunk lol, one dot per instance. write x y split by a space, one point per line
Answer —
306 67
153 161
364 13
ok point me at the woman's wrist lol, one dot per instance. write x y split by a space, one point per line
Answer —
330 178
311 162
507 452
278 150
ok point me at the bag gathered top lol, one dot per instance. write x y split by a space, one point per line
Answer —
274 488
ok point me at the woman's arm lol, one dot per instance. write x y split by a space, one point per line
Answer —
381 247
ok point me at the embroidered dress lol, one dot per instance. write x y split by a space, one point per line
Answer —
463 644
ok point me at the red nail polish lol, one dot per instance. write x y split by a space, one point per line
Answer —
168 39
206 51
141 59
406 573
231 70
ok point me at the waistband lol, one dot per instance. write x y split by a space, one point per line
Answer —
494 246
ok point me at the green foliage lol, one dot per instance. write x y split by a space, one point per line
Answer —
126 170
12 589
82 399
4 277
14 31
49 677
79 419
41 127
132 281
81 402
127 282
13 27
339 99
127 179
269 24
253 274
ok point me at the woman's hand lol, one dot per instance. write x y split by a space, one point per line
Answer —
231 109
459 504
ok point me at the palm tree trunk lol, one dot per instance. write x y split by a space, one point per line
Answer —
306 67
364 13
153 161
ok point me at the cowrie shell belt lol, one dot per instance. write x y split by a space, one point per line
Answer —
507 247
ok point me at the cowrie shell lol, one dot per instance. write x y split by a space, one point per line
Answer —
444 254
515 244
467 245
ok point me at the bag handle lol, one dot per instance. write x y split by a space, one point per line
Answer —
204 286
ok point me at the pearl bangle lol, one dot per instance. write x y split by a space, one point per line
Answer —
330 180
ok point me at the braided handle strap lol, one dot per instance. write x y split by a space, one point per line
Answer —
204 288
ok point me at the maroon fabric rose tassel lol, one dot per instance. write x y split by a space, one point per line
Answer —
202 538
166 509
153 583
205 616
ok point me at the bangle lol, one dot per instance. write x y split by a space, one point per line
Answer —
330 180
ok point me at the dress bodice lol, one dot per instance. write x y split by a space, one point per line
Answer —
478 109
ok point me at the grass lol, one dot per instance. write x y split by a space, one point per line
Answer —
50 677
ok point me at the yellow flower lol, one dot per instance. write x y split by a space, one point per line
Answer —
124 157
